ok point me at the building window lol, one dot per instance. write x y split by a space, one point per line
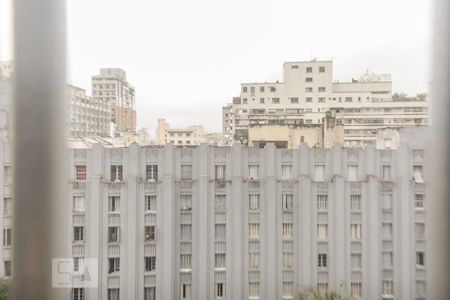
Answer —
150 293
114 264
321 69
254 231
322 288
417 174
78 204
387 231
253 171
286 171
321 99
113 234
7 237
150 233
348 99
275 100
186 202
244 100
386 172
151 173
150 203
287 201
308 79
185 261
356 261
185 291
294 100
253 260
388 288
322 202
420 258
116 173
114 204
78 264
78 233
186 232
355 202
113 294
261 89
261 100
309 69
219 290
322 89
220 202
420 231
273 89
80 172
419 201
308 89
220 232
387 260
352 172
322 231
309 99
322 260
356 290
7 207
355 230
244 89
253 201
220 172
253 289
150 263
288 289
186 172
387 201
219 260
319 172
287 231
77 294
287 260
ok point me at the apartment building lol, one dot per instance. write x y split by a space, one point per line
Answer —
308 90
189 136
323 135
243 223
111 86
87 116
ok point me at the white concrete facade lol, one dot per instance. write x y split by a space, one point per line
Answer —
308 91
245 223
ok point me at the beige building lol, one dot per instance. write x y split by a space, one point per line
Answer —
111 85
323 135
191 135
307 91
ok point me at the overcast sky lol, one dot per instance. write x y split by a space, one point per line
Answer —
187 58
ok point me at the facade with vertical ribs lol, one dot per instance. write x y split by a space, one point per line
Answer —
244 223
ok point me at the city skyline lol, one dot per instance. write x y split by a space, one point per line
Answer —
186 73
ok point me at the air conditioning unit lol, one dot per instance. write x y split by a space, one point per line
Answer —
117 180
147 236
151 180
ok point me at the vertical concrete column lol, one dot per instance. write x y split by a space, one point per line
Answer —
201 280
404 245
306 212
235 288
167 287
371 246
338 226
269 232
95 221
129 226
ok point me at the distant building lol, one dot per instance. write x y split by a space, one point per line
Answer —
111 86
87 116
189 136
323 135
307 91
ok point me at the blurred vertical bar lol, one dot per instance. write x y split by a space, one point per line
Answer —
39 147
439 217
